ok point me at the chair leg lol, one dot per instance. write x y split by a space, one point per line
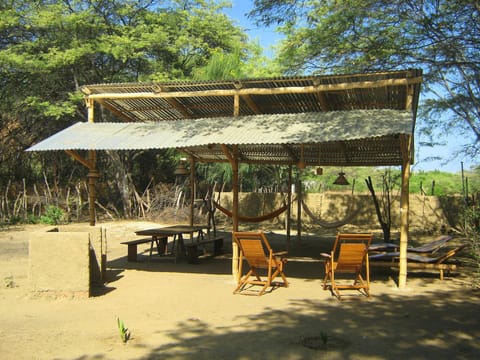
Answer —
242 282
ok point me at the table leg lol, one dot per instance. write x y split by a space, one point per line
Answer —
161 243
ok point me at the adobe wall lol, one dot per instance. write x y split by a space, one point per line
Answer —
67 263
427 214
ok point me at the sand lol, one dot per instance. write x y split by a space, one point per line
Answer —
185 311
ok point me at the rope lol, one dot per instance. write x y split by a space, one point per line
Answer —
329 225
261 218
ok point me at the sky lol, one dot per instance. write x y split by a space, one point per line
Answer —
267 38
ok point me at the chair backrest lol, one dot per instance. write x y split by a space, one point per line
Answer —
253 245
451 253
433 246
351 257
342 238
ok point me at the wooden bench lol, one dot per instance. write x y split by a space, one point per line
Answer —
132 246
192 248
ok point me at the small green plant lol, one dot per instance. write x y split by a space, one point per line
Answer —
8 282
53 215
124 332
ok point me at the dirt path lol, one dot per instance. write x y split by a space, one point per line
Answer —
184 311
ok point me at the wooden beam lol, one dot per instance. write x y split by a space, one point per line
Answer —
228 154
80 159
90 109
251 104
236 105
115 111
261 91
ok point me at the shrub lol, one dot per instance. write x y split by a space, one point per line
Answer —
53 215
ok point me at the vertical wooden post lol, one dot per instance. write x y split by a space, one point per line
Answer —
92 173
299 207
289 208
192 188
90 109
92 176
405 144
236 105
235 183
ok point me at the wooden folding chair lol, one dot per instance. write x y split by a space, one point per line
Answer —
348 256
256 250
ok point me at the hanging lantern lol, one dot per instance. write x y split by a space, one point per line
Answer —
341 179
181 170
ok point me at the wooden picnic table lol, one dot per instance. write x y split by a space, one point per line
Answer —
159 237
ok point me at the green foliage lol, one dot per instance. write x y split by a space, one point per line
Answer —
53 215
49 49
440 37
437 183
122 329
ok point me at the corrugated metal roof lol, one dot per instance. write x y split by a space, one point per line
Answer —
343 120
381 90
274 138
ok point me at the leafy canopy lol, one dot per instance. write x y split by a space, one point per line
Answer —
441 37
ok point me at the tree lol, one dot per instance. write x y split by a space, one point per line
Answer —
442 37
49 49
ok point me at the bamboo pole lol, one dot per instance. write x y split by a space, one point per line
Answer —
235 182
289 209
92 176
192 188
405 143
261 91
299 207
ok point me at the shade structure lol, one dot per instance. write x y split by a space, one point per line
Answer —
311 120
358 137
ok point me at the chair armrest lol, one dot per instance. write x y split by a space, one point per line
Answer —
325 255
280 253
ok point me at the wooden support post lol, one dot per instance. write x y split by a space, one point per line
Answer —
92 176
192 188
299 207
405 144
90 109
236 105
235 186
289 209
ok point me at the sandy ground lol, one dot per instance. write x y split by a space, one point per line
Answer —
185 311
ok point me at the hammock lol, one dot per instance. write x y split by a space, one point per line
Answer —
329 225
268 216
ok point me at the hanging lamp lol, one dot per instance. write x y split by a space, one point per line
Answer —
181 169
341 179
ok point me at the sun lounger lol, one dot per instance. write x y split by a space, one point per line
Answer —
430 248
415 261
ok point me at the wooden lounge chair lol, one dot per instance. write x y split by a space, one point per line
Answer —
415 261
348 258
256 250
429 248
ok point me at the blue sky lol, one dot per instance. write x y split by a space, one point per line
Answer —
267 39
